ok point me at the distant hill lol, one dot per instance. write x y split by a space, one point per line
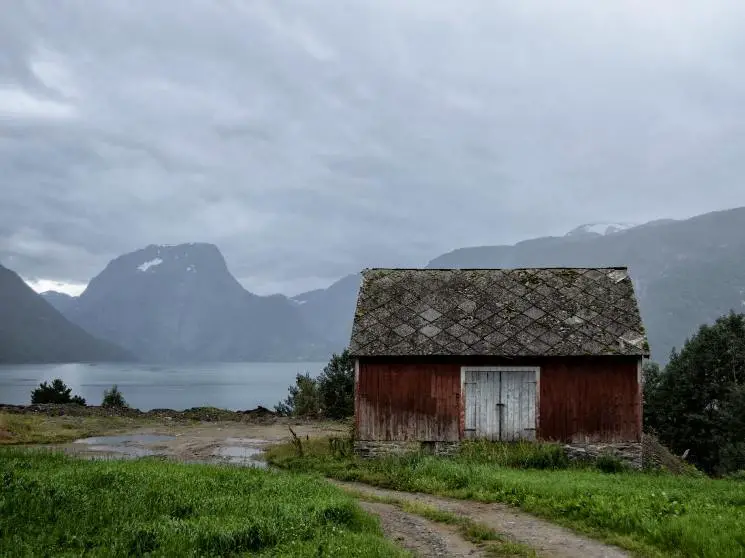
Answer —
61 301
32 330
685 272
330 311
180 303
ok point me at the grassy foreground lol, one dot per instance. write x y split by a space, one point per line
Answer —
649 514
51 504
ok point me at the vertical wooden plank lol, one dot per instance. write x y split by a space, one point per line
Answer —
495 404
528 398
527 405
485 395
509 404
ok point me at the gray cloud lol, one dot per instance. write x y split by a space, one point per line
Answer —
311 139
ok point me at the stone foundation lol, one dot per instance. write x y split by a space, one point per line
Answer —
376 448
629 452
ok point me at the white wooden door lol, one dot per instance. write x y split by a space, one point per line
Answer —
499 403
518 405
482 404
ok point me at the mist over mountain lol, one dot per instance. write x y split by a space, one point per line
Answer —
32 330
180 303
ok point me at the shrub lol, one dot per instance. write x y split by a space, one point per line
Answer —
303 399
57 393
114 398
336 387
608 463
737 476
331 395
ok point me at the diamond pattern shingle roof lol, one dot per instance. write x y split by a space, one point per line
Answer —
500 312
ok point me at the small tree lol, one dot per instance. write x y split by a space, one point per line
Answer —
697 402
57 393
303 400
113 398
331 395
651 377
336 387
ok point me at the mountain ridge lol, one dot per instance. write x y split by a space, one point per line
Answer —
33 331
172 303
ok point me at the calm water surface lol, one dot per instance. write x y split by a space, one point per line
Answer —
235 386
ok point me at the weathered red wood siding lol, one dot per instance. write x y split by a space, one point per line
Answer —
416 401
580 398
590 400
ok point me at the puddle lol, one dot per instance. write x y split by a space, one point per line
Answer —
235 451
120 440
240 455
117 447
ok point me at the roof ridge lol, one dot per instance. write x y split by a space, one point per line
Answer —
619 267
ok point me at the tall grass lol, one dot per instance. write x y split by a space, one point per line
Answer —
651 514
525 455
51 504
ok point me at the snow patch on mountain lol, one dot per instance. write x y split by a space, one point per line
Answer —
151 263
600 228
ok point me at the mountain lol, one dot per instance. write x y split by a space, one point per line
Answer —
180 303
685 272
32 330
61 301
330 311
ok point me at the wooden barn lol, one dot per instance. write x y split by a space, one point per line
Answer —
550 354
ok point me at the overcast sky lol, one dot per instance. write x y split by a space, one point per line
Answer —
309 139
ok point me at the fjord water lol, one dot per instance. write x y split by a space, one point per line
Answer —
234 386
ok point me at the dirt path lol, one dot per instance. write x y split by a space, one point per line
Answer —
424 538
546 538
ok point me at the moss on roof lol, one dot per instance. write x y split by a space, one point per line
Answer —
500 312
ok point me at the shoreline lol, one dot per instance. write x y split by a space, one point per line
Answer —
206 414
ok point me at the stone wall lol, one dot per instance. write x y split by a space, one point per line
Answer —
382 449
630 452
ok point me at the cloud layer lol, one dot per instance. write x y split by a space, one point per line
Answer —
311 139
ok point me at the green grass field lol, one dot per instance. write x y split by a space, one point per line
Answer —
53 505
650 514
